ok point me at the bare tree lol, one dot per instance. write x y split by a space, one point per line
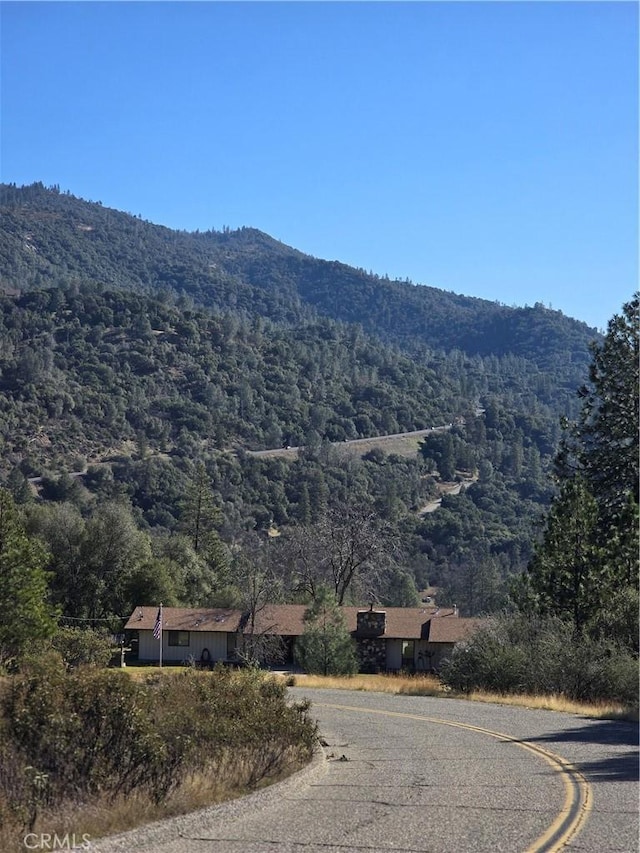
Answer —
259 586
348 550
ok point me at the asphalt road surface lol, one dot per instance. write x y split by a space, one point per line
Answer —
416 774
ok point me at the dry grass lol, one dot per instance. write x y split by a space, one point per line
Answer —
429 685
404 444
141 673
410 685
599 710
228 779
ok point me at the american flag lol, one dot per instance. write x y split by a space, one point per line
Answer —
157 628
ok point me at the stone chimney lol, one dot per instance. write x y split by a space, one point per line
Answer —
370 623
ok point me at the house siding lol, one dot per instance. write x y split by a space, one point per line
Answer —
380 635
216 643
427 656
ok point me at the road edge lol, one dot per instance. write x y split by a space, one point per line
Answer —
196 823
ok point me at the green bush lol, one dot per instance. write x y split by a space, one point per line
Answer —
70 735
323 651
80 646
86 731
597 670
522 654
326 646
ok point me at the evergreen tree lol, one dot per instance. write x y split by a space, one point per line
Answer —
326 647
18 485
603 444
200 515
590 547
568 570
27 615
62 527
199 519
439 447
400 589
304 505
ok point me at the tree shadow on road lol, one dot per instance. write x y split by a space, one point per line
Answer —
620 766
617 768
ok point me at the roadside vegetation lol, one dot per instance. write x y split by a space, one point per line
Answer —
94 751
529 655
431 685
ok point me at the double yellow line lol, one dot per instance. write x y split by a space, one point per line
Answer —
578 798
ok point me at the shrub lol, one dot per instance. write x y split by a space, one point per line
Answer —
521 654
87 731
72 735
597 670
485 663
79 646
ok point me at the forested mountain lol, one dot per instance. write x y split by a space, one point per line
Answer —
155 359
52 238
130 365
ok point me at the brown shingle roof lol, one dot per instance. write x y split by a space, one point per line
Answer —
443 630
405 623
287 620
185 619
401 623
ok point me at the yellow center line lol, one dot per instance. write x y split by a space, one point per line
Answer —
578 798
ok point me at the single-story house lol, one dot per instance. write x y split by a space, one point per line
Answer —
413 638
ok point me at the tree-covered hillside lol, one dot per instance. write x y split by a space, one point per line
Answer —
52 238
86 369
150 360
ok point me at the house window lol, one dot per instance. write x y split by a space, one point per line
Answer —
407 652
178 638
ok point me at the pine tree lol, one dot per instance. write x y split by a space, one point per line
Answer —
27 615
590 547
199 519
603 444
326 647
569 569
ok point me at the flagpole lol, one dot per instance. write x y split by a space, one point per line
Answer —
161 635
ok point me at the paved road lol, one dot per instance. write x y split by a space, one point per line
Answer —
418 775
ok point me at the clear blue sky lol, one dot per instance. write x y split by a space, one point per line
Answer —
486 148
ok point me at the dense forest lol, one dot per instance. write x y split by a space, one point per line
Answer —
140 368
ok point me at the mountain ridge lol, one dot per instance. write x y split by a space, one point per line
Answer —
249 271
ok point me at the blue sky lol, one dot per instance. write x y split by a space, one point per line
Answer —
487 148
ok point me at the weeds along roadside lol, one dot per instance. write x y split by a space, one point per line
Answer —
94 751
430 685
